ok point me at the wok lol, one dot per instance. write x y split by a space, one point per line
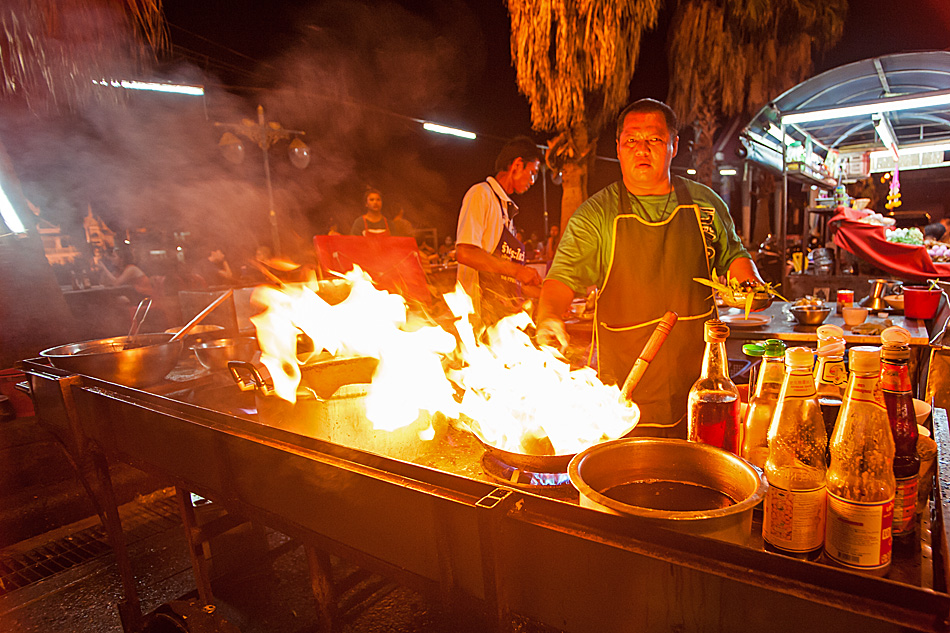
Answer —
148 362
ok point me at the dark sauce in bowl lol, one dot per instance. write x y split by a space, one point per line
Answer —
671 496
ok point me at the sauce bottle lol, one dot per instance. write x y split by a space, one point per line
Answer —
712 409
831 375
794 519
755 428
899 400
860 478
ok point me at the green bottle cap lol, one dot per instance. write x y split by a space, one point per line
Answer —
774 347
753 349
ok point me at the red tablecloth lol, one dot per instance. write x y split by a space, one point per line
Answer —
868 242
393 262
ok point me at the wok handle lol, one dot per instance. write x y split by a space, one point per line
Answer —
646 356
255 380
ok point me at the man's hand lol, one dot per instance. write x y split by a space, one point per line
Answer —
551 332
528 276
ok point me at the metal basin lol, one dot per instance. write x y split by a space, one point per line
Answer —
146 364
216 354
685 466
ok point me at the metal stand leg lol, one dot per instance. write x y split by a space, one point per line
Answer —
199 563
320 583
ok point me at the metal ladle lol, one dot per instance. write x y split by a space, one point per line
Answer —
201 315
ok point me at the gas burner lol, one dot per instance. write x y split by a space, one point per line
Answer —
554 484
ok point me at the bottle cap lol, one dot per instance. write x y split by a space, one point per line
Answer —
753 349
715 331
829 331
774 347
830 341
799 357
865 359
895 335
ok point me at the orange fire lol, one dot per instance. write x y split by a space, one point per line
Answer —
512 394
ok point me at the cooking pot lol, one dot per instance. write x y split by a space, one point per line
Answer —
672 483
150 360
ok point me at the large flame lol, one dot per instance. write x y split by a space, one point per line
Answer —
512 394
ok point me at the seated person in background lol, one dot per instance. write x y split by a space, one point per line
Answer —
939 230
129 274
214 268
372 221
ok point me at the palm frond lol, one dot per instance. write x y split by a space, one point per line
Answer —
52 51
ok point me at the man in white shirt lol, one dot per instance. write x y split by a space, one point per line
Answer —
491 259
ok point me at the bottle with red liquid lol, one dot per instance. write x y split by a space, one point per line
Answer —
898 398
712 411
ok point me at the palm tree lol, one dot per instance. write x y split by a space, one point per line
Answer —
574 61
729 57
51 53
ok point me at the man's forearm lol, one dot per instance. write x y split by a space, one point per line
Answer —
482 260
556 298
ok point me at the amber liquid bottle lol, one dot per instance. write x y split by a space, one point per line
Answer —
898 398
860 478
755 428
712 410
794 519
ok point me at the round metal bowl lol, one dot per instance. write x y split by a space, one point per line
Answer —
597 472
145 364
810 315
736 299
214 355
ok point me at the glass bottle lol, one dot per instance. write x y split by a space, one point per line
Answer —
755 429
754 352
861 475
794 519
712 410
899 400
831 375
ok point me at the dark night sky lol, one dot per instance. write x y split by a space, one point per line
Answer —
486 99
354 76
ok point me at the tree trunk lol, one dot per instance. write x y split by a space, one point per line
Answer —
574 173
706 126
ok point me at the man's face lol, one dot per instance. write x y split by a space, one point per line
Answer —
524 174
645 149
374 202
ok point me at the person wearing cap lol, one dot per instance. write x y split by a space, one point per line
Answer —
641 242
491 259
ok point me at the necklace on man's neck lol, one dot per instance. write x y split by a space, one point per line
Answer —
665 213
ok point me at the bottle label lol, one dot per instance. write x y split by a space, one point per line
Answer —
799 385
894 378
867 389
794 520
905 506
833 373
858 535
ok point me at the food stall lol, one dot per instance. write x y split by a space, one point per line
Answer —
878 117
434 506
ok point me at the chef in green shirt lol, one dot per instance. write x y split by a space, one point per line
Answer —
640 242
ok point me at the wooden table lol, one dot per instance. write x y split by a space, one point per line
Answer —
783 326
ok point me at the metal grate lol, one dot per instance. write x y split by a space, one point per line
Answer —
140 520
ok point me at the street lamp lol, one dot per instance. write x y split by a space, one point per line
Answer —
264 134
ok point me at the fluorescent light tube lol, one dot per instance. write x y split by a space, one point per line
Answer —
441 129
884 105
195 91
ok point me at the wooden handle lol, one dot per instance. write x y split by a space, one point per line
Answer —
201 315
648 354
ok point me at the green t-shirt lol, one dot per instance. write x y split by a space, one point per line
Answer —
583 255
